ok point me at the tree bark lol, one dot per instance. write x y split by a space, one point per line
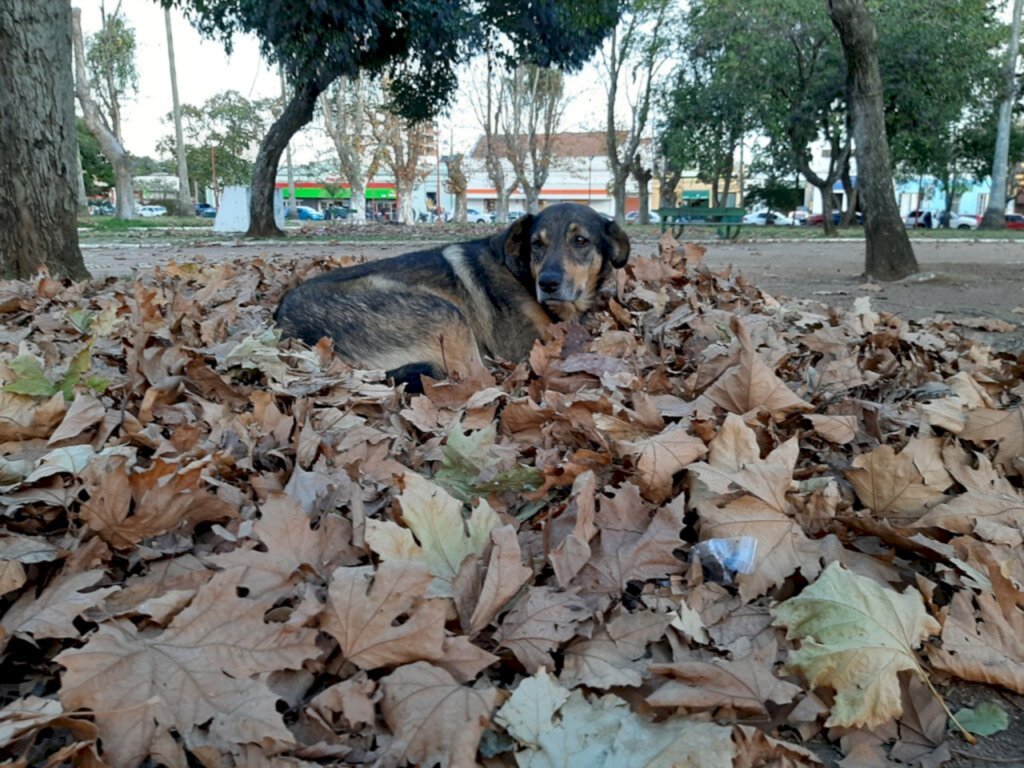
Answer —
995 212
38 142
185 207
296 114
346 122
889 253
643 178
110 145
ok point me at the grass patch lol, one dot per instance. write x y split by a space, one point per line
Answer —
110 224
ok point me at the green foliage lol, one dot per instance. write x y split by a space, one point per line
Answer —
110 54
96 169
31 379
473 467
985 719
229 123
416 44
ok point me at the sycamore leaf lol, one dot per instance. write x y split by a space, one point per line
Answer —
856 635
745 684
434 719
660 457
473 465
364 617
443 537
1006 428
541 621
604 733
29 378
983 644
898 485
610 658
52 614
506 574
752 385
207 669
985 719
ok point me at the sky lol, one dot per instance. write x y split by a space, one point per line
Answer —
204 69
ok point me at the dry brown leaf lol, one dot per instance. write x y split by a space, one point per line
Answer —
1005 428
660 457
745 684
984 644
364 605
610 657
201 671
892 485
539 623
291 544
506 574
434 719
53 613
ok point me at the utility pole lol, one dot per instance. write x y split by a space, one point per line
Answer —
184 201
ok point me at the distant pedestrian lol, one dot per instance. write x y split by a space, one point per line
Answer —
927 221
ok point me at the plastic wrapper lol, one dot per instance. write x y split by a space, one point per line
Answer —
722 559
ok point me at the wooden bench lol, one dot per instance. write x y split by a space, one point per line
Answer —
727 221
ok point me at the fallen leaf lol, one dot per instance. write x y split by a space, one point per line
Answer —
855 637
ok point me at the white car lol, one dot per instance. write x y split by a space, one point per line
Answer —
965 221
634 216
473 216
148 211
768 218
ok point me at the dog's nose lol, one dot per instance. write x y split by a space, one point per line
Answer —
549 282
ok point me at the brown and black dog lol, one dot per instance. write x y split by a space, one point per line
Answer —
440 311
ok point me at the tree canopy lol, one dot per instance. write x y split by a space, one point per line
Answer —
417 44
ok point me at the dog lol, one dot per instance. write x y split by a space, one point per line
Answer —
439 312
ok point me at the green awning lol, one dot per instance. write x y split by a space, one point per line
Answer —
696 194
319 193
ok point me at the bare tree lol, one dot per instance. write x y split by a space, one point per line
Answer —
643 177
456 184
630 59
104 131
488 115
38 225
532 104
995 213
184 198
889 255
345 108
404 149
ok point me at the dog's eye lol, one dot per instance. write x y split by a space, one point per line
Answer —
579 241
537 243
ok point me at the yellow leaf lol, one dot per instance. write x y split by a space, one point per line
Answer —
443 538
856 635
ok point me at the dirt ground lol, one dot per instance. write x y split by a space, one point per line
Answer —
976 282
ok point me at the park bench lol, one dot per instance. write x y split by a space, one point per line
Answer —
727 221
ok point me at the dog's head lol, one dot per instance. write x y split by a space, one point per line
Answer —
563 253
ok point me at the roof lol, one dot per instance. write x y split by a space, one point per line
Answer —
579 144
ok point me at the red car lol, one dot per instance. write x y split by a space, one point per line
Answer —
1014 221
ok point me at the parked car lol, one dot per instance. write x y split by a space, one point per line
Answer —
1014 221
922 219
206 210
338 212
304 212
768 218
817 219
966 221
479 217
634 216
148 211
103 209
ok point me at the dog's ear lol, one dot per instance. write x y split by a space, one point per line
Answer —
615 245
513 246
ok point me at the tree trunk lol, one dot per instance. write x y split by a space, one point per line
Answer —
110 146
185 207
643 178
995 213
403 188
83 198
889 255
296 114
38 222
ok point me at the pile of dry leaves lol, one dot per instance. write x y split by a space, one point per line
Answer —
221 550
